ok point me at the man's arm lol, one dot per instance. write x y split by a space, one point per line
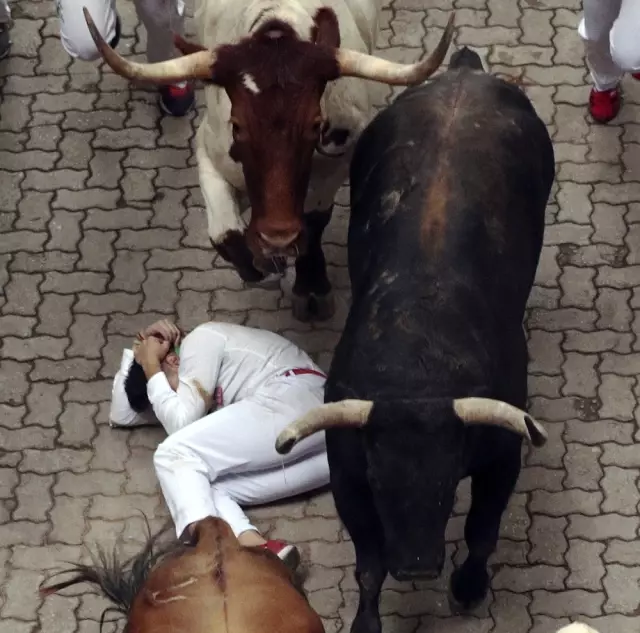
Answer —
121 413
201 355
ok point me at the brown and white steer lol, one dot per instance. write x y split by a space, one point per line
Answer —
215 586
286 100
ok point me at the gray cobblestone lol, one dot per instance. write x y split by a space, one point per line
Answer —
103 229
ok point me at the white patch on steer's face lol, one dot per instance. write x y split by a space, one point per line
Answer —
250 83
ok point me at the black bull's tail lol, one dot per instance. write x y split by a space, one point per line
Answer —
118 580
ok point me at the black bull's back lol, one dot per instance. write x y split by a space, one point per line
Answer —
448 193
448 190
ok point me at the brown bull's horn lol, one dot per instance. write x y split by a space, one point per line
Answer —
355 64
488 411
353 413
195 66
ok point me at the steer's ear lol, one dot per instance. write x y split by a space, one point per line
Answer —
186 47
326 31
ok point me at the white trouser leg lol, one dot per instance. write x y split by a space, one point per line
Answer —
161 18
74 34
229 493
237 443
625 37
595 29
5 12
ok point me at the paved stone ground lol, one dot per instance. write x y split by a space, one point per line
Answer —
103 230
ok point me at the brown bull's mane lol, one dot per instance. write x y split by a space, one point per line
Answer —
120 580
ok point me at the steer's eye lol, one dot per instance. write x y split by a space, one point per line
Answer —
316 128
235 128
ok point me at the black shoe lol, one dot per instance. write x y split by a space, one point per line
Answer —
177 99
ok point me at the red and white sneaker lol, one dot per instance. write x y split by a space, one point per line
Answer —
604 105
286 552
177 99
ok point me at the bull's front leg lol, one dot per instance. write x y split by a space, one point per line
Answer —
355 506
312 294
224 220
491 489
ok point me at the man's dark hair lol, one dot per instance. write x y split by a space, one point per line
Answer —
135 386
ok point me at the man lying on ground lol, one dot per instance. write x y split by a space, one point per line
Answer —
223 393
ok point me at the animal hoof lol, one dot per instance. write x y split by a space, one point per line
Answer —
312 307
466 592
250 275
301 308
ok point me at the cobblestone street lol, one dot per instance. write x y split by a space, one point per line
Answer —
103 230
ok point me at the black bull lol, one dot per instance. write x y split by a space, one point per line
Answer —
429 381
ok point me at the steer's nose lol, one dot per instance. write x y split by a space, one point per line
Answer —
280 240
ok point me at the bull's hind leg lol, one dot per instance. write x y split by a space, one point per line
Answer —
312 294
490 492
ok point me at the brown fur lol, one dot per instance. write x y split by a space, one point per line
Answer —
216 586
277 129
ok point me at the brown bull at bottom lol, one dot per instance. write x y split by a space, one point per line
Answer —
214 585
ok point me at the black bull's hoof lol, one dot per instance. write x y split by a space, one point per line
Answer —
313 307
467 590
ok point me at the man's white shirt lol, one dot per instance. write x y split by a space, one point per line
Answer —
236 358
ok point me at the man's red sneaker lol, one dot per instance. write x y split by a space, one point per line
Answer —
604 105
286 552
177 99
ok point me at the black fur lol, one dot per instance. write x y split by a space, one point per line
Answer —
449 186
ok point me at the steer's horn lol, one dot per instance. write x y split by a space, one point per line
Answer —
356 64
195 66
353 413
488 411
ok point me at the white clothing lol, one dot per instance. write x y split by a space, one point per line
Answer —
209 464
5 12
161 19
610 30
229 456
236 358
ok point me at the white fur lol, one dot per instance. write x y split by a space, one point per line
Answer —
577 627
250 83
346 102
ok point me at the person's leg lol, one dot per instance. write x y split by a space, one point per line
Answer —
163 18
624 40
5 25
236 440
74 34
256 488
594 29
